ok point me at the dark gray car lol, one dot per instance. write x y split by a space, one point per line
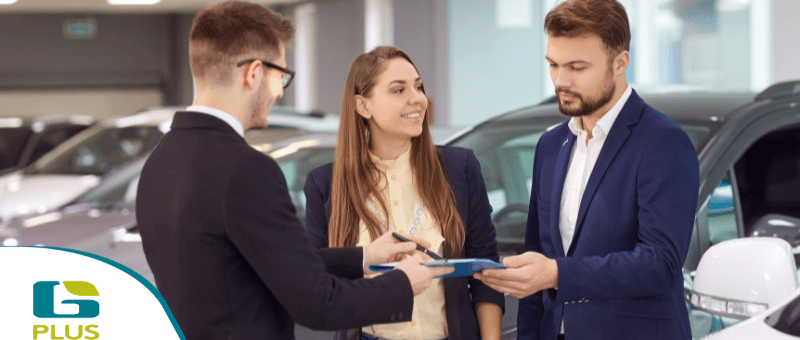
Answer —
748 146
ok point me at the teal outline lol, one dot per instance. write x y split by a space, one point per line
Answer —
130 272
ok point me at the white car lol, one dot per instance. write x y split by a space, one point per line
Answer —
751 279
78 164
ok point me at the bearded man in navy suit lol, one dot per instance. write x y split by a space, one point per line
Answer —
612 201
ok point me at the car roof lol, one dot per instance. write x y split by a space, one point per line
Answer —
42 121
279 116
324 140
707 106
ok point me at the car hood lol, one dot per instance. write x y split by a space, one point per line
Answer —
29 194
66 226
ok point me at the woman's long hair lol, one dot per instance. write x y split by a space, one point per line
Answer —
356 178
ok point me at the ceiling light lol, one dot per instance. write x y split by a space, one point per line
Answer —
7 2
131 2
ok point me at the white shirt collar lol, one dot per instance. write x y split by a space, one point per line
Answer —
607 121
224 116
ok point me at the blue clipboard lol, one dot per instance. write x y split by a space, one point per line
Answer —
463 267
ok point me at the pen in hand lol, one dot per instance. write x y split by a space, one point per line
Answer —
430 253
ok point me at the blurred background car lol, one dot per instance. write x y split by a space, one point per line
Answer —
24 140
749 166
77 165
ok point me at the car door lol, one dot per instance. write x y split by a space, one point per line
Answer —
747 172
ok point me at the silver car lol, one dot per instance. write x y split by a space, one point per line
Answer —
78 164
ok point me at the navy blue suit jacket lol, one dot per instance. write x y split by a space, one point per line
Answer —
622 275
464 174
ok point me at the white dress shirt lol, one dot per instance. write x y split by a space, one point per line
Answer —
226 117
581 163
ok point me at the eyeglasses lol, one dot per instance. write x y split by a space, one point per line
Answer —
288 74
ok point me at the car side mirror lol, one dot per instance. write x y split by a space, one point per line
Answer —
743 277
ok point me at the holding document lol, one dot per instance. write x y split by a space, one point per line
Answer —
388 176
218 226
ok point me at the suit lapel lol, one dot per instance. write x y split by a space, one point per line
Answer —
559 175
620 131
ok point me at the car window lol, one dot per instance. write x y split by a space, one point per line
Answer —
786 319
295 167
49 139
12 143
721 213
722 226
104 151
506 155
117 188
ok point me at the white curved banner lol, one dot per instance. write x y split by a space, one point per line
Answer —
63 294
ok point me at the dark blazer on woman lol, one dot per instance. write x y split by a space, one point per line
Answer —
472 203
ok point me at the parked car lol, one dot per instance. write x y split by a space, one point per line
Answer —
103 220
747 145
749 157
23 140
766 296
77 165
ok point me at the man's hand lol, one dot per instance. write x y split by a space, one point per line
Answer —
419 275
526 274
389 249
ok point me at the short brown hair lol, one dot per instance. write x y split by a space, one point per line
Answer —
605 18
232 29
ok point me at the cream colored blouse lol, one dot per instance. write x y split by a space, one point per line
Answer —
428 319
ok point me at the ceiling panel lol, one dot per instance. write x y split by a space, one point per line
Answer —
101 6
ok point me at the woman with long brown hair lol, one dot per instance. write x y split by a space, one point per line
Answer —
388 176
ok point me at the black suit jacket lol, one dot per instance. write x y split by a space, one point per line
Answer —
228 254
464 174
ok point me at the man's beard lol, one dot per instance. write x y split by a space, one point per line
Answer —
258 105
588 105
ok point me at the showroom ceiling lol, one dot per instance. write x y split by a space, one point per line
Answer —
103 6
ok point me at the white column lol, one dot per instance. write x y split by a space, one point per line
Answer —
547 84
761 43
785 45
378 24
305 94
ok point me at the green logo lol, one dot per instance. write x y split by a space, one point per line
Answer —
44 301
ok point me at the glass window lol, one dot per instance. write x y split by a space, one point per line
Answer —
721 213
101 152
786 319
296 166
506 154
50 139
12 142
118 188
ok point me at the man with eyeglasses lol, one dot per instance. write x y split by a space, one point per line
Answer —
218 228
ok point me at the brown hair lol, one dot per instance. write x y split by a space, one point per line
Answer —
232 29
356 178
605 18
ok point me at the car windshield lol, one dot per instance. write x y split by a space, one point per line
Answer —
12 143
98 151
296 165
786 319
505 150
117 189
